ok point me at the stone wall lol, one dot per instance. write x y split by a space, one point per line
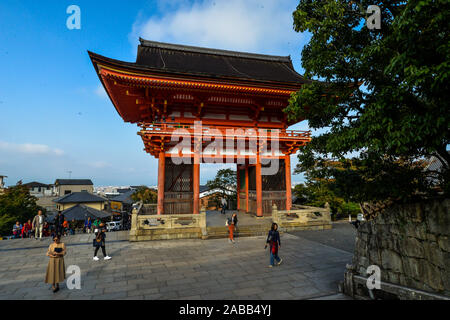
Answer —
410 244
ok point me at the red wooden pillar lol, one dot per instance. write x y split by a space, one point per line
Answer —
196 182
238 182
287 171
259 206
246 188
161 169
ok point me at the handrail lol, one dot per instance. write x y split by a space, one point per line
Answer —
168 128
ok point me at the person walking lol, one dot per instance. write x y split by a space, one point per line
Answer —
224 205
88 225
230 225
73 225
235 222
273 239
59 221
38 225
56 269
66 227
99 242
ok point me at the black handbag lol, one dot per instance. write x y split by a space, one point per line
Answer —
97 242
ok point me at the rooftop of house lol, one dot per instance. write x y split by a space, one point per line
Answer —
124 197
35 184
73 182
82 212
80 197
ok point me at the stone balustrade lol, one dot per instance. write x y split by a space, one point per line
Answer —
165 227
302 218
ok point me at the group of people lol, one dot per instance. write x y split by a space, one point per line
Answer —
89 225
37 227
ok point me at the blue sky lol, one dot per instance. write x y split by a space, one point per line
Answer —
55 116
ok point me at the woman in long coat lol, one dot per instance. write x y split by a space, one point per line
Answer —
56 270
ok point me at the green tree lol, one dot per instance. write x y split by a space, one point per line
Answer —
382 96
225 182
320 189
145 194
16 204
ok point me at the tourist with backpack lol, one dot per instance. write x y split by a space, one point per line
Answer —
273 239
99 242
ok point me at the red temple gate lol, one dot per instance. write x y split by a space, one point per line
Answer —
197 105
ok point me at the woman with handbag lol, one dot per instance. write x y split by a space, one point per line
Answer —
56 270
99 242
273 239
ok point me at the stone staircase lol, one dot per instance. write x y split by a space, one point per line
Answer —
242 231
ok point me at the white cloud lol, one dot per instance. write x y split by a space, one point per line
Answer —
263 26
30 148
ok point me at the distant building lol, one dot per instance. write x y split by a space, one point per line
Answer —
2 183
66 186
435 165
88 199
208 196
38 189
80 212
122 202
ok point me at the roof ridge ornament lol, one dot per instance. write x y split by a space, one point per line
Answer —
204 50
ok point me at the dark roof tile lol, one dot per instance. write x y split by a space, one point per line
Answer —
74 182
216 63
80 197
80 212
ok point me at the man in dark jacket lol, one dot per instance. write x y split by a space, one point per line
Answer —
59 221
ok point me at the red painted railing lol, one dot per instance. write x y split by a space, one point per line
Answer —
207 130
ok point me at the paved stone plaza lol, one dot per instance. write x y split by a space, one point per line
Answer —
184 269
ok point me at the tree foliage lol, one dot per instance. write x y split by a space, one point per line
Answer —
145 194
16 204
319 189
225 182
382 97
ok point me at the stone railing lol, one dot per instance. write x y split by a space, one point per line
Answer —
302 217
173 226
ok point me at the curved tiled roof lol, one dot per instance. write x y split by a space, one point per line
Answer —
80 197
198 62
80 212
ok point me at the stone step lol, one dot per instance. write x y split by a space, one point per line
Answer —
242 231
239 235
